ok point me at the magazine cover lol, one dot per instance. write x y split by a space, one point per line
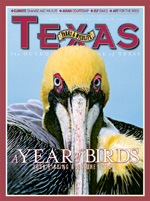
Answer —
75 100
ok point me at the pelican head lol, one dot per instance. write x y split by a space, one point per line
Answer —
74 91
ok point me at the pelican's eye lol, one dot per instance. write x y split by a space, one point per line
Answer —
97 83
58 82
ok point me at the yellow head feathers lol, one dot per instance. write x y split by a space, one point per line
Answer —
77 65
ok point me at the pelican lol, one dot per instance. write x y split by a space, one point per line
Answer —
103 156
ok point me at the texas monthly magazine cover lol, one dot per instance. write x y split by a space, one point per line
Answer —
75 100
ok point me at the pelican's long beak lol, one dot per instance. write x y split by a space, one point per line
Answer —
76 124
78 109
